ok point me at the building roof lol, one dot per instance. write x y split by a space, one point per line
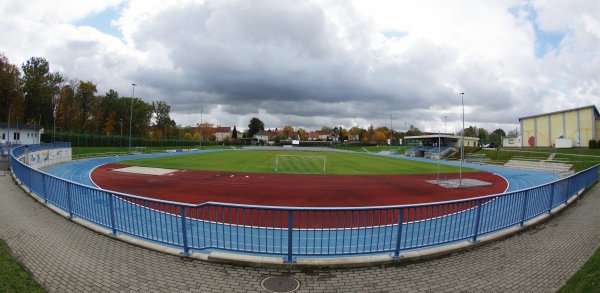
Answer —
21 126
597 114
261 133
440 135
223 129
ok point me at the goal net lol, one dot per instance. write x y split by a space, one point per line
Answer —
300 164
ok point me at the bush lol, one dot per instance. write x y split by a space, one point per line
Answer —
593 144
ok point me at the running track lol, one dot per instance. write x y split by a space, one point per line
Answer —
414 235
79 171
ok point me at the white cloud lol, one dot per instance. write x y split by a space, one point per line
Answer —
314 63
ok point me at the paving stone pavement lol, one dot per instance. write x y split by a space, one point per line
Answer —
65 257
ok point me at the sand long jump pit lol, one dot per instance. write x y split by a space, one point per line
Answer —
145 170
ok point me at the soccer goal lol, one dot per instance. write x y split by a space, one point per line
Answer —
300 164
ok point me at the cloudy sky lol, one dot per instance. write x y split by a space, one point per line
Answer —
312 63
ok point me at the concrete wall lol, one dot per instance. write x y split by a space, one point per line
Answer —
48 157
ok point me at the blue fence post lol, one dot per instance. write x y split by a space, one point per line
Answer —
113 218
477 219
551 199
44 190
524 208
290 257
186 249
30 179
567 191
69 203
399 236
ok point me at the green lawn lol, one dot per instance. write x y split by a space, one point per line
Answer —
264 162
587 280
581 159
12 277
371 149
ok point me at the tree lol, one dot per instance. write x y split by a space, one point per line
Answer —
344 135
279 137
326 128
483 135
471 131
255 126
413 131
382 134
110 123
370 134
496 136
234 133
161 112
355 133
206 131
142 115
513 133
40 86
302 134
87 103
11 87
66 117
107 106
288 131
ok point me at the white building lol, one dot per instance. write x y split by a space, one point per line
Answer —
20 133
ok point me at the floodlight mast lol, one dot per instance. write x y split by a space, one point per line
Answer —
462 141
131 113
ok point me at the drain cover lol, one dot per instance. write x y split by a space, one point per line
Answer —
280 284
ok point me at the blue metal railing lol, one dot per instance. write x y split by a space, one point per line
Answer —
292 232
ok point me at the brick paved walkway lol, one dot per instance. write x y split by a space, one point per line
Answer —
65 257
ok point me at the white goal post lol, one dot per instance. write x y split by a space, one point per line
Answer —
290 164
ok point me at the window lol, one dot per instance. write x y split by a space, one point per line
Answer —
16 136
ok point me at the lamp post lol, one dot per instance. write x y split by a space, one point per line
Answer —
201 110
53 119
133 85
391 135
462 141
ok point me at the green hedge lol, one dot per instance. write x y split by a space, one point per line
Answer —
96 140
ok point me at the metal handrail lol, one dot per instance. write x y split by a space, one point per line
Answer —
291 232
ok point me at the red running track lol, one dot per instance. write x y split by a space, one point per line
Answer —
197 187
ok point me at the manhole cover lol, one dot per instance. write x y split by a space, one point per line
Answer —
280 284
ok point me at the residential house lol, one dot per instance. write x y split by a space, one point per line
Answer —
222 133
322 135
262 135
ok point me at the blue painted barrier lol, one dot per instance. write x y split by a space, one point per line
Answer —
292 232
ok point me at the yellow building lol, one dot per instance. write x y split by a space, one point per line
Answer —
568 128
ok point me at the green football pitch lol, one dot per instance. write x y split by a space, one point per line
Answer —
264 162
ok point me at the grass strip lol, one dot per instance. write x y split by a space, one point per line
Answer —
13 278
587 279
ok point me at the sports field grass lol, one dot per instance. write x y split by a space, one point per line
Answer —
264 162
